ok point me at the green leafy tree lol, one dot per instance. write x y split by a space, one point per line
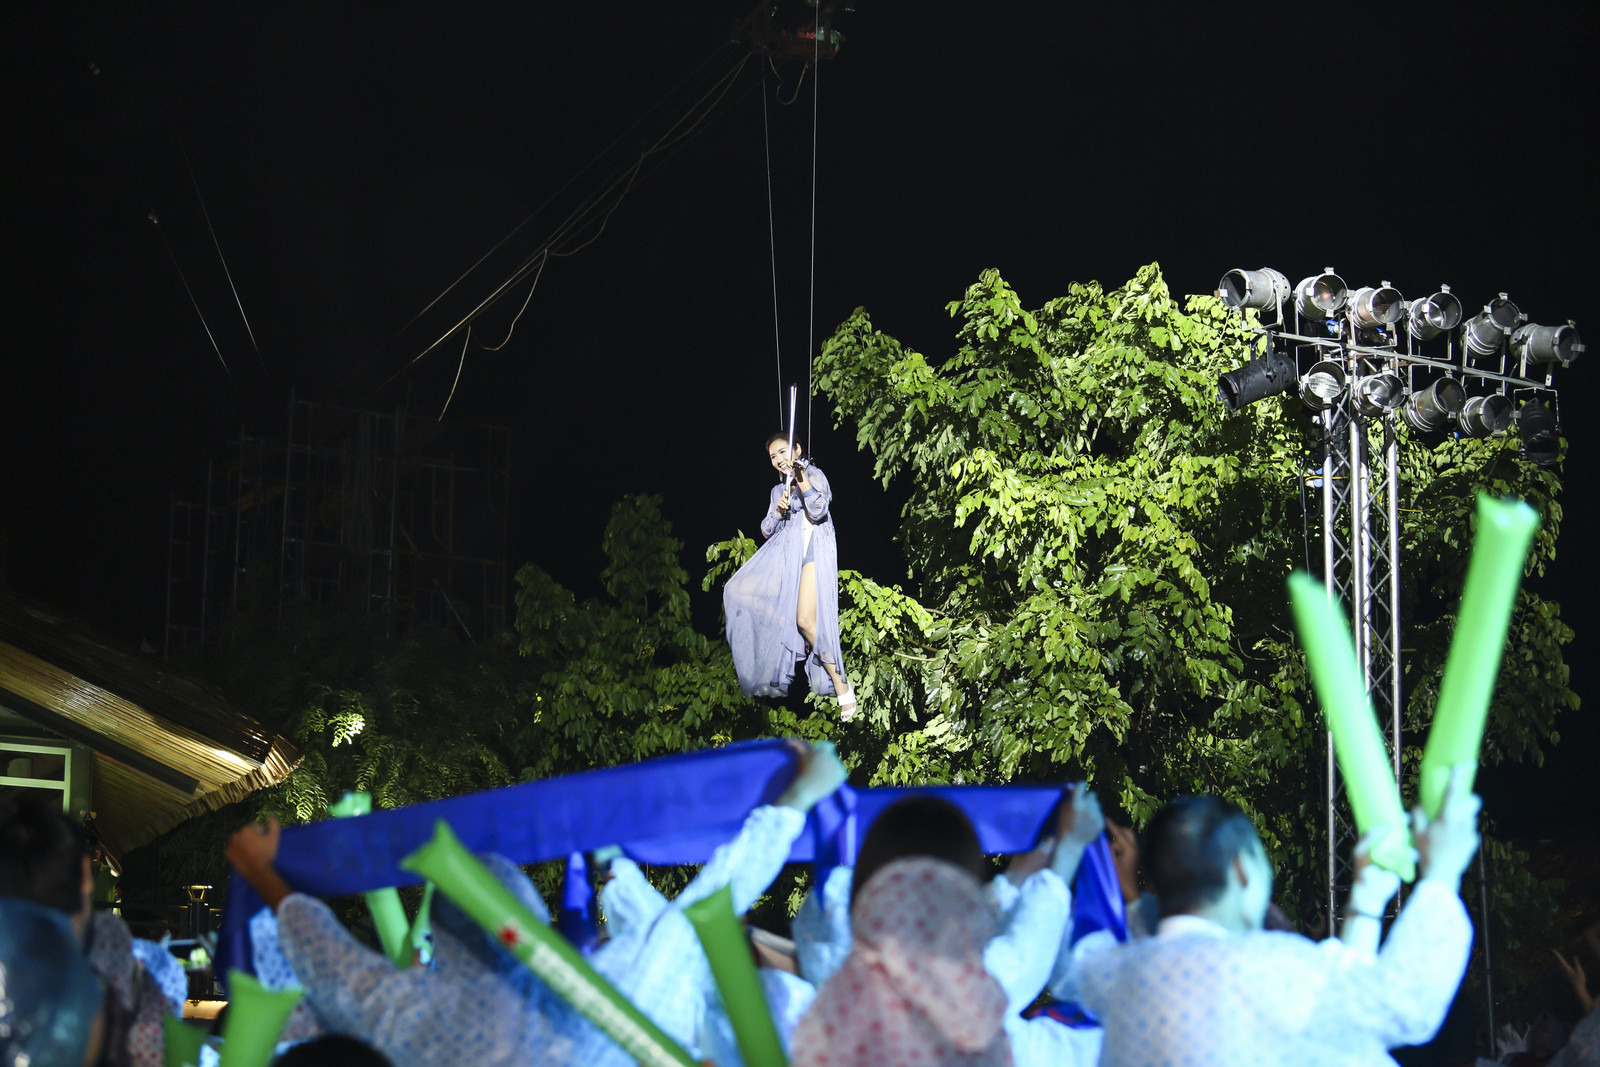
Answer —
1098 552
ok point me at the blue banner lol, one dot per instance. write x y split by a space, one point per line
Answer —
671 810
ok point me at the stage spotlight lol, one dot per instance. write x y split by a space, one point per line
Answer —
1485 330
1547 344
1322 386
1541 442
1320 295
1436 406
1379 394
1264 376
1433 315
1264 288
1371 308
1485 415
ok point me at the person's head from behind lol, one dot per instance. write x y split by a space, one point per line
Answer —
1203 857
50 1003
44 858
919 825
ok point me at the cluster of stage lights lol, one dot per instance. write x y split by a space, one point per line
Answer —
1376 317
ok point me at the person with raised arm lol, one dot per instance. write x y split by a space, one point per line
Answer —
1211 986
478 1004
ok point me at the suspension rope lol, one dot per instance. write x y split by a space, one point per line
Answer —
811 324
184 278
772 241
495 348
462 363
217 244
561 230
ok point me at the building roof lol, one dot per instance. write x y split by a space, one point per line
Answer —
166 746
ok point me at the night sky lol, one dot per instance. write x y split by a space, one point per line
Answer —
355 162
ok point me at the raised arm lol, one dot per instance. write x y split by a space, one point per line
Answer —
1402 995
816 496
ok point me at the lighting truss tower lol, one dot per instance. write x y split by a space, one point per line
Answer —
1362 360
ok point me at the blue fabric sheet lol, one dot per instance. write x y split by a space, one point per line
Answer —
671 810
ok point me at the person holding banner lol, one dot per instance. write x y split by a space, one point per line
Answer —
1019 921
782 606
479 1004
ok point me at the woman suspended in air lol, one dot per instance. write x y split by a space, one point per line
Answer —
783 604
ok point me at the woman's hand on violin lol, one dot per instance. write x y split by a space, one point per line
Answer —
783 502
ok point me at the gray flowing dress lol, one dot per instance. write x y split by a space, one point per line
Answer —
761 600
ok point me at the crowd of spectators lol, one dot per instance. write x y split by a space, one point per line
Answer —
918 954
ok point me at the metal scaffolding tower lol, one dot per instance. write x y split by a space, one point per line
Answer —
393 515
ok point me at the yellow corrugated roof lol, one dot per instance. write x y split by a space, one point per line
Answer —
166 747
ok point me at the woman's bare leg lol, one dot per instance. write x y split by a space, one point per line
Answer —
806 619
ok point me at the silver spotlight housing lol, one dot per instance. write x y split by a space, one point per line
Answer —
1485 330
1320 296
1541 438
1432 315
1261 289
1547 344
1378 394
1485 415
1436 406
1323 385
1371 307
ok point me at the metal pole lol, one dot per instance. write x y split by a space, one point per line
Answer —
1392 457
1360 548
1328 517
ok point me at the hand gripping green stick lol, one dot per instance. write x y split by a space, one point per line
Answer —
1357 742
388 914
723 937
420 927
460 876
182 1042
255 1019
1499 551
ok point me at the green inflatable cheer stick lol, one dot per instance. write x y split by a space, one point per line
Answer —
1499 550
255 1019
461 877
1357 741
723 937
183 1042
388 914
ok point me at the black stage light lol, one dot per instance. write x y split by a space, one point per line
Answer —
1541 441
1433 315
1436 406
1323 385
1373 307
1485 415
1319 296
1264 288
1485 330
1547 344
1264 376
1378 394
